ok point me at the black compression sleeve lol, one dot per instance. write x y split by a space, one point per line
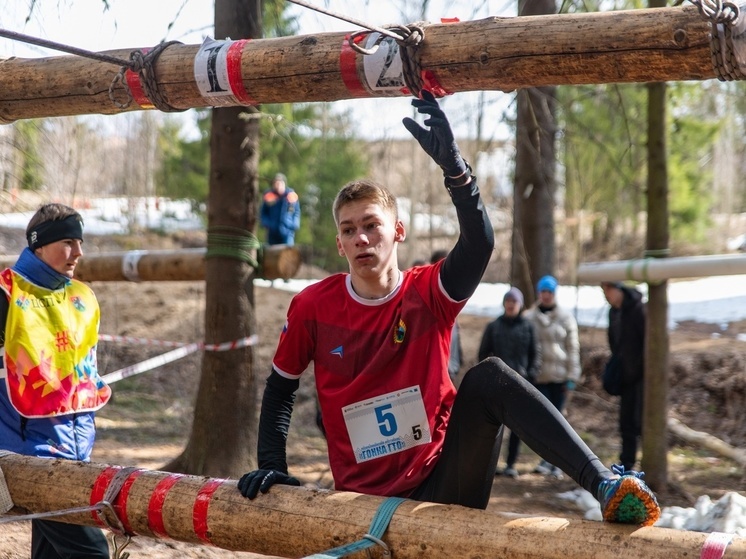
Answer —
274 422
465 264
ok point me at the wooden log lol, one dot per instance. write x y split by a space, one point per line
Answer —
279 262
496 53
293 522
276 261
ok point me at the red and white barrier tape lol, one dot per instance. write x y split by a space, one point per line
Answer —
715 544
138 341
182 350
225 346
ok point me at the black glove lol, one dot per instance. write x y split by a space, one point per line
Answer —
261 480
437 142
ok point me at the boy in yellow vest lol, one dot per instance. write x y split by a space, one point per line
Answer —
49 382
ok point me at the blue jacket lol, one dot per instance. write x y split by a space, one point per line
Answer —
68 436
280 216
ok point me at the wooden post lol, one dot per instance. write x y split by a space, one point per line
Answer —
276 261
496 53
293 522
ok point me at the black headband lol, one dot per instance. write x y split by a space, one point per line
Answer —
50 231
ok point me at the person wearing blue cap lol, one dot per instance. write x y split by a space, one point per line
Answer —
511 338
557 332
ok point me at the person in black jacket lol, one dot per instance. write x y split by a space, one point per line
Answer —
512 338
627 342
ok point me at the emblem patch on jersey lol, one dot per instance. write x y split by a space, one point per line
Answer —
338 351
77 303
23 302
399 332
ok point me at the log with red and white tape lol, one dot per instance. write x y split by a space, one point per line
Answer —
297 521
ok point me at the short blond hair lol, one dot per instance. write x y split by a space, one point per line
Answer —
368 190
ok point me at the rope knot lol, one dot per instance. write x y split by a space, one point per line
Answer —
142 64
408 38
725 31
412 36
137 61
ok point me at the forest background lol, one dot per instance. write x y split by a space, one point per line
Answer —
600 161
594 171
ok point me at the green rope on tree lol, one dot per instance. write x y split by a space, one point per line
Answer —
232 242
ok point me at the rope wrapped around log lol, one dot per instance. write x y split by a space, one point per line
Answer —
295 522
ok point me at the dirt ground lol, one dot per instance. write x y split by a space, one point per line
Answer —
148 420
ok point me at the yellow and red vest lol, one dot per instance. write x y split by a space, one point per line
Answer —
50 348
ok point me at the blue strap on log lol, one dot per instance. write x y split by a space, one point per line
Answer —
377 528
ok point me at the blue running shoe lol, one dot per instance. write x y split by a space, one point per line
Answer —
627 499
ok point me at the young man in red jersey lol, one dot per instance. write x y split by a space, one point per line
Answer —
379 338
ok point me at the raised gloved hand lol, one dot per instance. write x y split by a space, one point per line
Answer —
438 141
261 480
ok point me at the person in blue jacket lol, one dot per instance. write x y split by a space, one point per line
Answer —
280 212
50 388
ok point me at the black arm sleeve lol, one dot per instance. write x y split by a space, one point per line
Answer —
274 422
465 264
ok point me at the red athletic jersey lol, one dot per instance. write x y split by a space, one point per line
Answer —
377 363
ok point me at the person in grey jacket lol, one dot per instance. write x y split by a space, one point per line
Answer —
511 338
557 331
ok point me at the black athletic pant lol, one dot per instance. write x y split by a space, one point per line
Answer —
492 395
630 422
514 446
57 540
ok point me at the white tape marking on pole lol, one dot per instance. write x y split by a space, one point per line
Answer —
130 261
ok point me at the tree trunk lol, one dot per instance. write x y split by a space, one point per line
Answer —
534 188
296 522
222 441
655 402
495 53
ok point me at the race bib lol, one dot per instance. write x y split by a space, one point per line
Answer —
387 424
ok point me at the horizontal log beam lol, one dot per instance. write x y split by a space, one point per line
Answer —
277 262
294 522
496 53
661 269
